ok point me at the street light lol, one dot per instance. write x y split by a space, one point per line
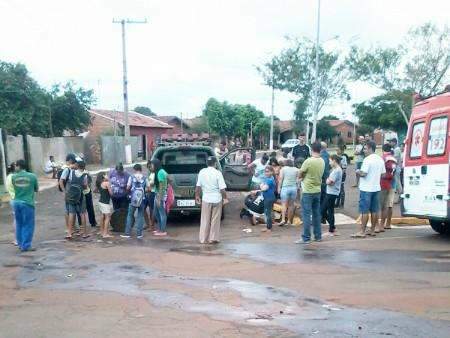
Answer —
316 86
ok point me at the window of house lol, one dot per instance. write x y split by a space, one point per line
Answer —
437 139
417 140
349 134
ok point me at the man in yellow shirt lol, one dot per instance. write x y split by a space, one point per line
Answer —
311 172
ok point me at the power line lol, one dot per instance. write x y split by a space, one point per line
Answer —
123 23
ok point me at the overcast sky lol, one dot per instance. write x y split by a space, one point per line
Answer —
191 50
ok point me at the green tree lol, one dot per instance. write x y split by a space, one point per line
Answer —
70 108
325 132
293 70
420 64
27 108
220 117
382 111
144 111
261 130
24 105
330 117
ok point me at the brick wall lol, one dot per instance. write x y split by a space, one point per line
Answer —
345 131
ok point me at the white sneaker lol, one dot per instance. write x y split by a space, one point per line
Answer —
301 241
140 237
125 236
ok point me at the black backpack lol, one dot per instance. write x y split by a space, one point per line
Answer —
74 193
58 176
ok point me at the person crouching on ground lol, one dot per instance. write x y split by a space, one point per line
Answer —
77 183
210 193
334 182
25 186
104 203
369 186
311 172
287 189
268 187
136 185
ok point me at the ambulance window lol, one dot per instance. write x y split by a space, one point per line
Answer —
417 140
438 136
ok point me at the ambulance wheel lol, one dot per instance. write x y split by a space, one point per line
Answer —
440 227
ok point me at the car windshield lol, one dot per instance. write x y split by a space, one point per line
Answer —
183 161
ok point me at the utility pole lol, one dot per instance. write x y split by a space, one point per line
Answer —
316 87
271 117
123 22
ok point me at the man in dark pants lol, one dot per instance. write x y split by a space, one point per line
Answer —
326 158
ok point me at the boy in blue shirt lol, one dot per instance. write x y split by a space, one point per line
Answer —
268 187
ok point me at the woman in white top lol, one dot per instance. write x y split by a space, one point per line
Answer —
287 189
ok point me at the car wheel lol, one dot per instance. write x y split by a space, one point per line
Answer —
440 227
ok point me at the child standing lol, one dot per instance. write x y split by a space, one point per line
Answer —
136 185
104 203
333 182
268 187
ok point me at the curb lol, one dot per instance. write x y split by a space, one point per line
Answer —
403 221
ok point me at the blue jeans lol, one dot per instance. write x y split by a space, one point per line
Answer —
160 213
268 206
24 216
311 216
139 221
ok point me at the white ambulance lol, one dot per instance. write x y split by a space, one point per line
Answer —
426 162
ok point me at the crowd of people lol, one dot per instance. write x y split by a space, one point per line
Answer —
319 179
309 175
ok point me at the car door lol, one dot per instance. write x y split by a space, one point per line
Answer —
235 168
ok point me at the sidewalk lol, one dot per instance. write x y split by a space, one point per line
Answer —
46 183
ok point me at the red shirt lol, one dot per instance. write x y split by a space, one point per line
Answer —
390 163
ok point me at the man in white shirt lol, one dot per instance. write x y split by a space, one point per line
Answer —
257 167
370 174
210 193
51 167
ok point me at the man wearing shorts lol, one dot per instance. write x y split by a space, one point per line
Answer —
387 188
370 174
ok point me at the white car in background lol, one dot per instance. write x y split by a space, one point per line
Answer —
291 143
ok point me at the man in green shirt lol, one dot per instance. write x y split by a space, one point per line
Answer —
311 172
25 186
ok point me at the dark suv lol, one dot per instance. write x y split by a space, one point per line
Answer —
184 162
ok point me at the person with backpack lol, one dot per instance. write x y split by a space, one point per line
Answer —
25 186
118 179
161 186
76 183
387 193
88 196
136 185
62 177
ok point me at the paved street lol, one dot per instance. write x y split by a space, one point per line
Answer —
251 284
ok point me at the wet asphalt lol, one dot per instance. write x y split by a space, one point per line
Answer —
51 267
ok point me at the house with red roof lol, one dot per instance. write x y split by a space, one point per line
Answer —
108 122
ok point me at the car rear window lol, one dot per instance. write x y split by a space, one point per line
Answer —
184 161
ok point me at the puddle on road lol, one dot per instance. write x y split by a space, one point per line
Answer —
398 260
259 304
